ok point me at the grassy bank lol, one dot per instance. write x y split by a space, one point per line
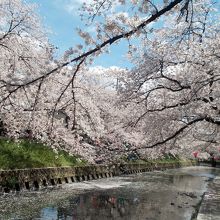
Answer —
27 154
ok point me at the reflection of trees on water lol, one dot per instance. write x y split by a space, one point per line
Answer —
163 199
119 205
100 206
97 205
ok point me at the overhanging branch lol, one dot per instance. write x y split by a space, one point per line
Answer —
183 128
105 43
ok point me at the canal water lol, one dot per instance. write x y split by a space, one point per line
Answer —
160 195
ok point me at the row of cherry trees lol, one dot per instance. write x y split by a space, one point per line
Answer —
175 90
168 103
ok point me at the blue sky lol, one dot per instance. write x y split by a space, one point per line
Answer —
61 17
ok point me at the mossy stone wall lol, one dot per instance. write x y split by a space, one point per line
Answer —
32 179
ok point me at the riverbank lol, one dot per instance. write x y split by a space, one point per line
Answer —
30 165
26 154
210 205
35 178
30 154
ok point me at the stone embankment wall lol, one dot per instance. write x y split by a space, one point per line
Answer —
32 179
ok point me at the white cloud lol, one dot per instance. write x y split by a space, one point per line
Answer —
72 6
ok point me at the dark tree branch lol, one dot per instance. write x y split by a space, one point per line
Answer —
64 90
182 129
104 44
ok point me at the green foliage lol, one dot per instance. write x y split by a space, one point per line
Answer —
27 154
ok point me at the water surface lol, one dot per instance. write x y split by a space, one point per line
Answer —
169 195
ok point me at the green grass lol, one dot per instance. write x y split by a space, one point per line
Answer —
26 154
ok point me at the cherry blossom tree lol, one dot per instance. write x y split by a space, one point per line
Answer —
176 88
169 99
